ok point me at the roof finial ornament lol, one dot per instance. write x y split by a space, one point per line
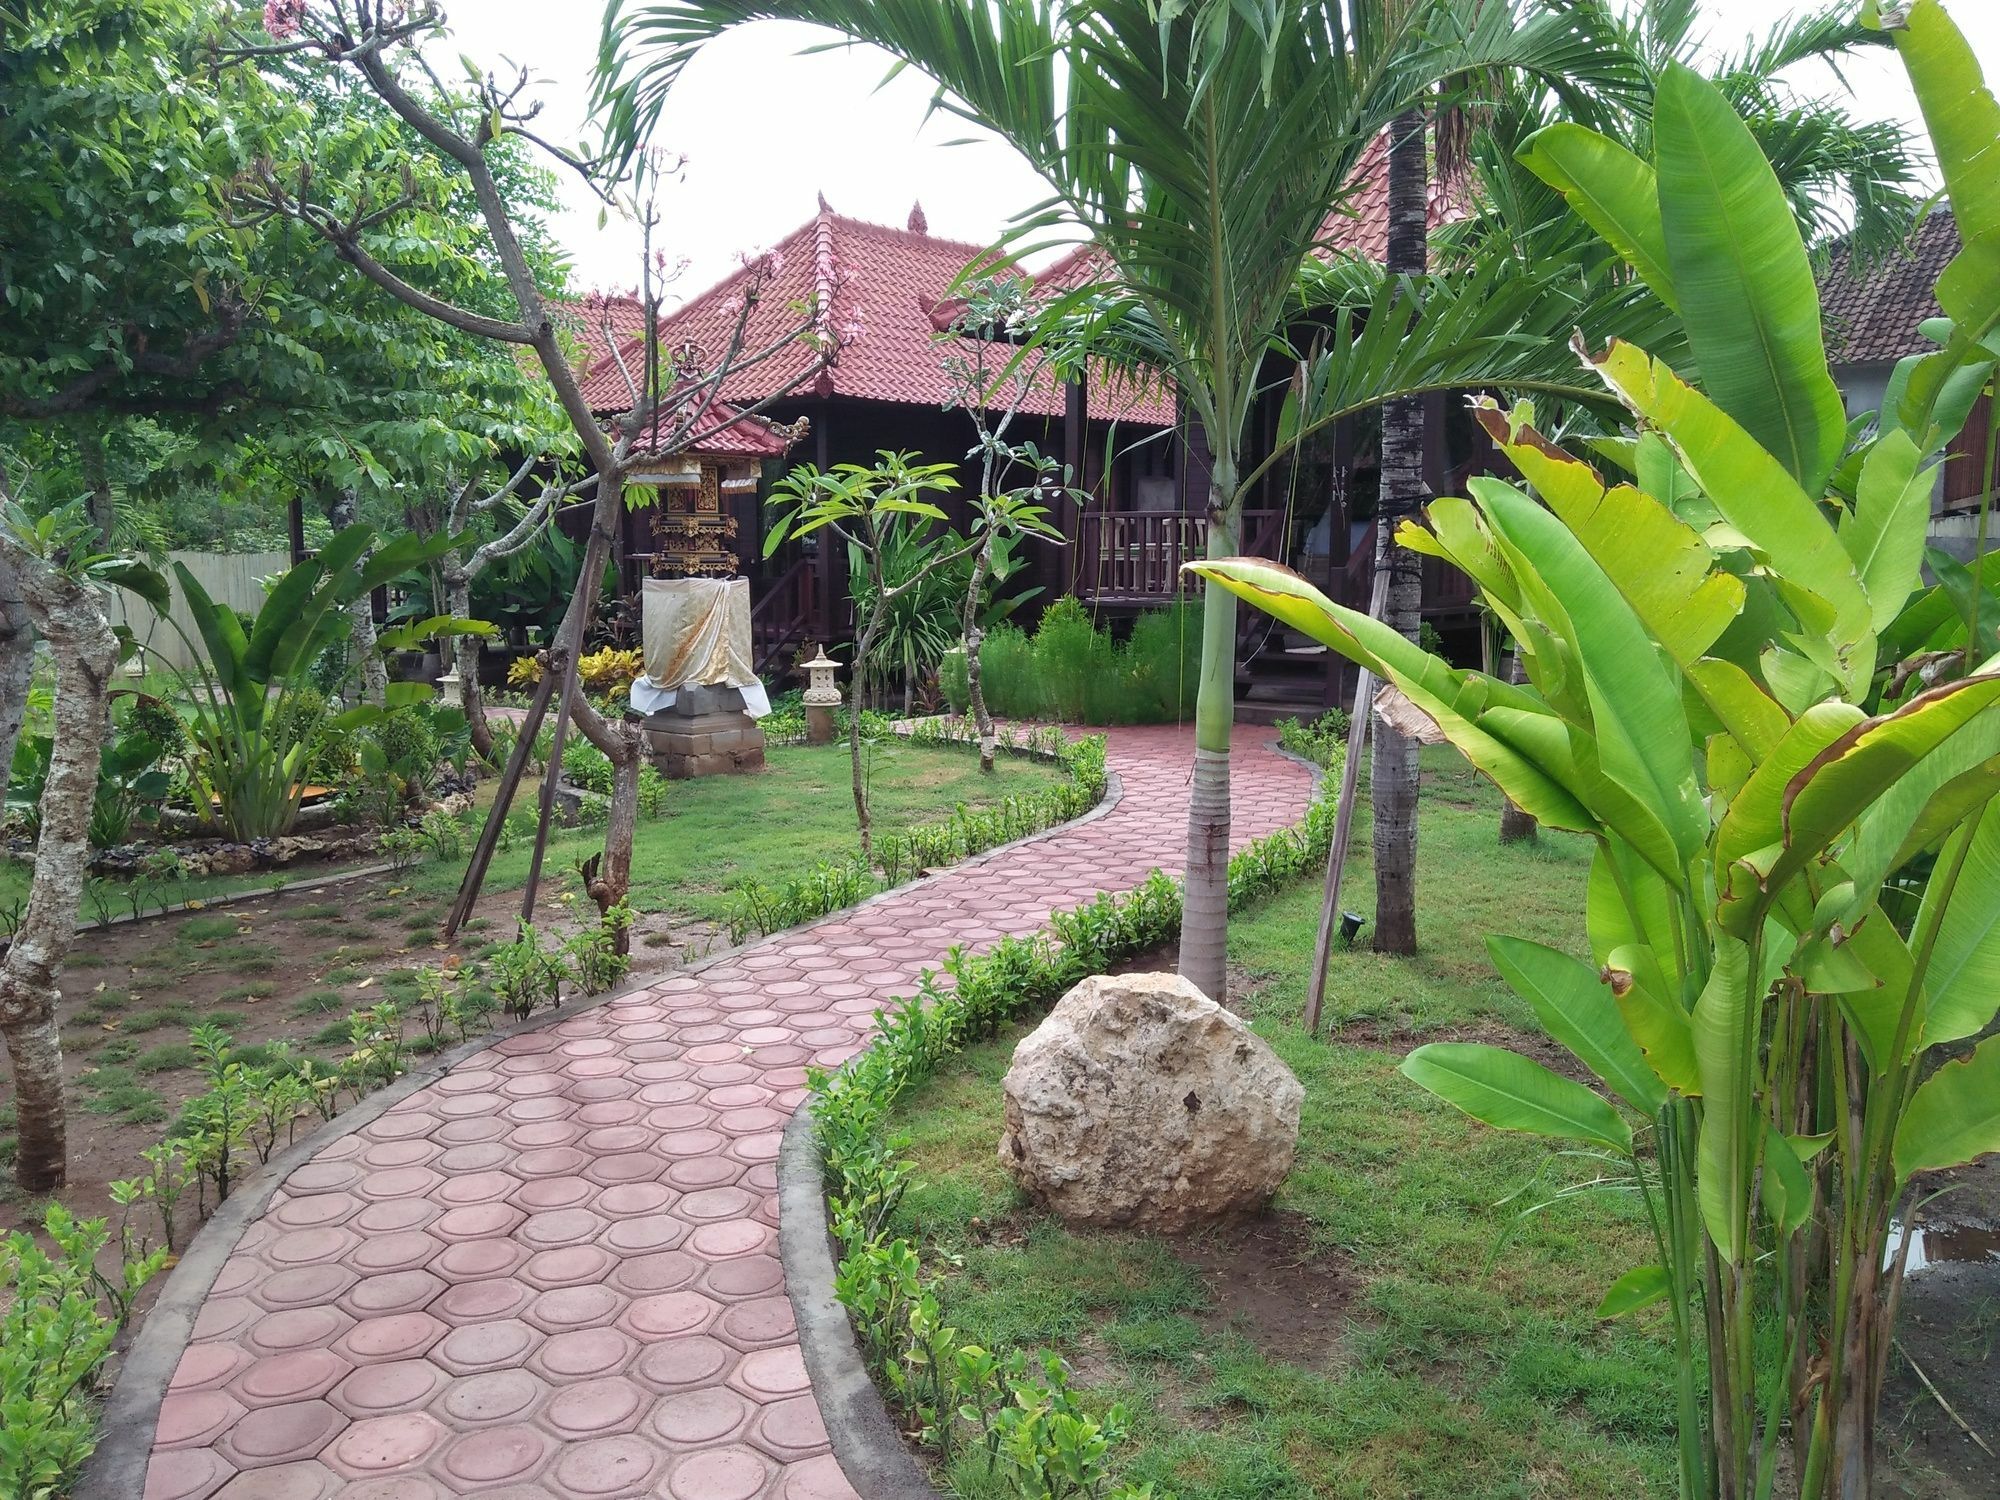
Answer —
824 206
918 223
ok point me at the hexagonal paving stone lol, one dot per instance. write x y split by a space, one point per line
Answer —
303 1286
408 1251
207 1366
396 1292
482 1301
701 1416
581 1354
295 1376
378 1390
563 1226
588 1306
188 1418
297 1328
398 1336
815 1479
307 1479
645 1233
790 1430
496 1396
608 1466
280 1434
186 1474
381 1445
731 1473
395 1216
758 1323
486 1346
495 1455
682 1363
478 1221
572 1265
594 1408
772 1374
478 1260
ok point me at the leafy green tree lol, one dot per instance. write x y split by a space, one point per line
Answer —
1200 148
878 510
1784 745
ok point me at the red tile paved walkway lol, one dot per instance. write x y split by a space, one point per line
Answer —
553 1273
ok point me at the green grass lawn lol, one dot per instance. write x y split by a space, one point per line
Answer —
1413 1334
722 830
714 833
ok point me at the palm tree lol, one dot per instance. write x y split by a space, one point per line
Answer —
1200 147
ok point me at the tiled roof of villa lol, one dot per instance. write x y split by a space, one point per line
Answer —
1872 311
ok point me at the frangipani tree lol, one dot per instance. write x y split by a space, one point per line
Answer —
1786 747
1201 148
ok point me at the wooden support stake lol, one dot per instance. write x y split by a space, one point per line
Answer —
1343 822
503 800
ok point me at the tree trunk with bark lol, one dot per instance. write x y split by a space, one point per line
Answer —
362 656
465 657
862 661
982 721
1394 768
17 668
624 747
1204 950
67 614
1516 826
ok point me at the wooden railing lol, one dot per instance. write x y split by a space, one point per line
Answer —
789 611
1136 557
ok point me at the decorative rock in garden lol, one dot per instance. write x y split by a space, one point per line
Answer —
1140 1103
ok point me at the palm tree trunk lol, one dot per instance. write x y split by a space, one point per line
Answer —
1394 769
68 616
1204 951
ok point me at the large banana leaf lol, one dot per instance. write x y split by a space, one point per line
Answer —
1884 533
1963 980
1638 723
1426 681
1577 1008
1656 561
1746 288
1749 842
1510 1092
1722 1017
1758 497
1833 789
1954 1118
1612 191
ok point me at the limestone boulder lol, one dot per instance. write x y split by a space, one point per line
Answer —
1140 1103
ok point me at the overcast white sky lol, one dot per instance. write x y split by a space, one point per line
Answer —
765 129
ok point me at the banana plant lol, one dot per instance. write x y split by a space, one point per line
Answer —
1794 905
249 742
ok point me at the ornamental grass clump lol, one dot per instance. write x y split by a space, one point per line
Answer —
1786 746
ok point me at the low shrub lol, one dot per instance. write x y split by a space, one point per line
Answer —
60 1320
1072 671
1323 741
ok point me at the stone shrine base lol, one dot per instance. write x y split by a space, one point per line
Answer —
705 733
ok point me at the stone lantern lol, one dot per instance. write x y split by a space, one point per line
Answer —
822 697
